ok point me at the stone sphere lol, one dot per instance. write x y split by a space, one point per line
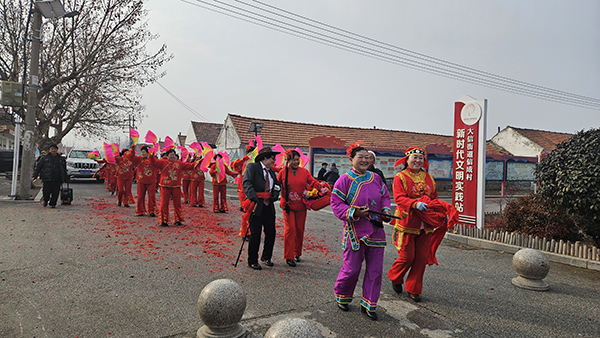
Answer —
531 264
221 304
293 328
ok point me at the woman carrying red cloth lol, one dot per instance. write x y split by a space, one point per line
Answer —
294 180
414 189
197 184
170 169
124 176
239 166
146 183
220 185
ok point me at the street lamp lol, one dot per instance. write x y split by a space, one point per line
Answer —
255 127
53 10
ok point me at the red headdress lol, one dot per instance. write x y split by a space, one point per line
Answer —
410 151
352 147
288 153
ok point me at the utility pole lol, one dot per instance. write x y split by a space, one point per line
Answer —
32 106
130 125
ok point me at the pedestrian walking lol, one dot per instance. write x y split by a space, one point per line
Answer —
52 169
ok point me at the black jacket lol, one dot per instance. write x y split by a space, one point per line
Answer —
254 181
45 169
321 175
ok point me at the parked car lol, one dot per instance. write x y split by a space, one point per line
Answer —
79 166
6 160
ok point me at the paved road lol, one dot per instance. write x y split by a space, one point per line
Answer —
93 269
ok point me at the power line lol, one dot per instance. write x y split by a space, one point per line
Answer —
183 104
389 53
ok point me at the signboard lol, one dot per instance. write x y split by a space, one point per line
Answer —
12 94
520 171
494 171
468 185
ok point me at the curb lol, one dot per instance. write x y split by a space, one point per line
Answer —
496 246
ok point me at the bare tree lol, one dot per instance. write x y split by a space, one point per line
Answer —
92 67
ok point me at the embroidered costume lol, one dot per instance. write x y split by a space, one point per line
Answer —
170 187
412 235
197 185
146 175
362 239
220 187
124 176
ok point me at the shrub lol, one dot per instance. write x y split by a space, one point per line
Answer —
535 215
570 177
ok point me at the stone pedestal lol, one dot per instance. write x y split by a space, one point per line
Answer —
532 266
293 328
221 306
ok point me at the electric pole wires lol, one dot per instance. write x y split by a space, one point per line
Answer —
278 19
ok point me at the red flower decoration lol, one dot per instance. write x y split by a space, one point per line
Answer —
354 146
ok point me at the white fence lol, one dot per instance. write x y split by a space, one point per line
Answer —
560 247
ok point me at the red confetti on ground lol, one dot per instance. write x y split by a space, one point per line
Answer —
210 237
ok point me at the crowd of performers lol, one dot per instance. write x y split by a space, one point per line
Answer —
360 198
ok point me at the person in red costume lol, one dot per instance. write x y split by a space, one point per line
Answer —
186 179
146 183
239 166
170 169
412 234
197 184
124 176
107 172
294 180
220 186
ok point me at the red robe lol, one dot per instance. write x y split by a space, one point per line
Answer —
146 184
220 188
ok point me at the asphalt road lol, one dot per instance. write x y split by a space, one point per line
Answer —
93 269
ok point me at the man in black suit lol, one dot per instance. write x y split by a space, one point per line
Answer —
262 188
321 175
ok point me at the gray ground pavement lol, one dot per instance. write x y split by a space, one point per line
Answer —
93 269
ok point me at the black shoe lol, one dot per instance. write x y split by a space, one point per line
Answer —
397 287
177 223
371 314
268 262
414 297
223 211
152 215
119 203
343 307
140 215
112 193
241 209
255 266
200 206
126 205
53 206
290 262
45 203
297 259
164 225
246 238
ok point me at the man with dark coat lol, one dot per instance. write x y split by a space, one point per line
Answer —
262 188
52 169
321 175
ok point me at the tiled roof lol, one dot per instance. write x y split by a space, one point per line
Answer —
207 132
546 139
296 134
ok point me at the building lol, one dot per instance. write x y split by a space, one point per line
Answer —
202 132
528 142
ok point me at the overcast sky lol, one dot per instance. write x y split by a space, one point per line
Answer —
224 65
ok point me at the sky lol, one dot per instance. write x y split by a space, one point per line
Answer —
224 65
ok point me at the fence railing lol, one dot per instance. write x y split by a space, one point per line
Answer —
526 241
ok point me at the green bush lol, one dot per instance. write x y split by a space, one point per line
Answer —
535 215
570 177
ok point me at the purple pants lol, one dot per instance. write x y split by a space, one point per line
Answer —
350 271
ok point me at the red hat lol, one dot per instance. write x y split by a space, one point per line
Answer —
411 151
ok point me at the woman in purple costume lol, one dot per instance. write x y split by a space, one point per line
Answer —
355 194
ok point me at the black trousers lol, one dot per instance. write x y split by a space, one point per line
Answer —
51 191
265 221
